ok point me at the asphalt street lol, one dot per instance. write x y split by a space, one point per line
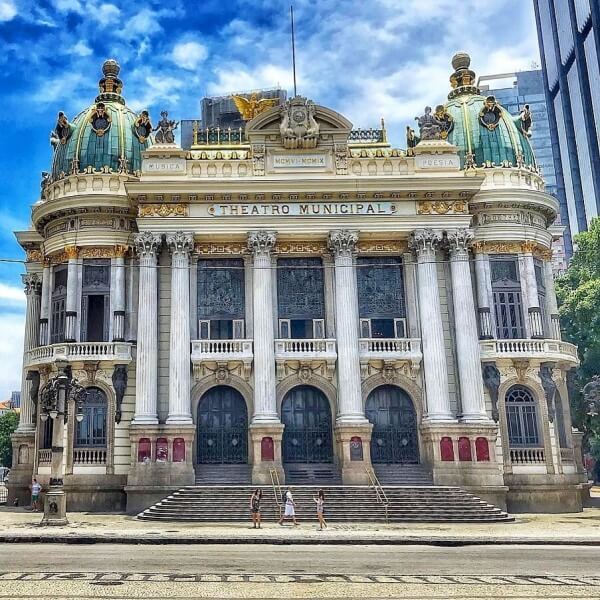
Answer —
237 571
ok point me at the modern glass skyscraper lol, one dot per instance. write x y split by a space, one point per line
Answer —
569 38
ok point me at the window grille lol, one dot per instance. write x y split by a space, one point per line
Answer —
91 431
521 417
506 290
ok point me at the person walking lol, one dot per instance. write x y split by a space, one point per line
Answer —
255 507
320 502
36 489
290 508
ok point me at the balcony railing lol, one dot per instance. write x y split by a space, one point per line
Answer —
45 456
220 350
387 346
89 456
527 456
80 351
556 350
305 348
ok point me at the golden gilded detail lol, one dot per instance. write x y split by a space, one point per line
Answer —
97 252
300 247
120 250
252 107
213 248
499 247
456 207
163 210
34 255
71 252
382 247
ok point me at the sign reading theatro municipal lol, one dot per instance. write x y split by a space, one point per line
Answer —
298 302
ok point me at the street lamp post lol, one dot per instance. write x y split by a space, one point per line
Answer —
54 404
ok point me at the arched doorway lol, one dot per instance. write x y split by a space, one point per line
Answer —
394 438
307 437
222 427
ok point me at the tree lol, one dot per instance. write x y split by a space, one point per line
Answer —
8 423
578 292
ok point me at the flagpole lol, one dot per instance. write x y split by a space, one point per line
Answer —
293 49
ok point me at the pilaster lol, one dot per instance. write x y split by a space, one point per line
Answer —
484 292
71 311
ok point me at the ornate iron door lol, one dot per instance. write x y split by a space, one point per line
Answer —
307 436
222 423
394 438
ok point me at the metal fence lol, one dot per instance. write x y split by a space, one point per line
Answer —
4 471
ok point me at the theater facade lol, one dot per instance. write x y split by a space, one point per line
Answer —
298 298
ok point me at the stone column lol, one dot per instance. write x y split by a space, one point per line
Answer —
72 294
146 390
425 242
342 243
467 345
33 288
261 244
536 326
180 245
44 337
551 304
118 295
484 287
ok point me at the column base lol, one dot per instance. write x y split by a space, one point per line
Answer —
353 441
475 418
144 420
266 452
440 418
179 420
55 508
21 474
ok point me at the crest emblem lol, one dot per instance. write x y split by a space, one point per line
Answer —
142 127
100 119
298 127
490 114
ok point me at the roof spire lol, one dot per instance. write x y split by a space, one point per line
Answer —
110 85
463 79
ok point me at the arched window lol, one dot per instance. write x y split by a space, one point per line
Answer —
521 417
92 429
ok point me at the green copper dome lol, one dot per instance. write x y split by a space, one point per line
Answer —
483 130
107 135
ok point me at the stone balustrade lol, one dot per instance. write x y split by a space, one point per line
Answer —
305 348
115 352
527 456
45 456
547 350
89 456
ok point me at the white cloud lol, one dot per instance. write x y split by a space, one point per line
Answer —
106 14
236 77
68 6
189 55
11 352
11 296
8 10
81 48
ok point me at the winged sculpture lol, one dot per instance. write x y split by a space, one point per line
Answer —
252 107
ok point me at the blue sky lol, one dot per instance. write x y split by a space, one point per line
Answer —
364 58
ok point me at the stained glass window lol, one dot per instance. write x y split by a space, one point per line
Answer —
221 289
521 417
300 290
381 288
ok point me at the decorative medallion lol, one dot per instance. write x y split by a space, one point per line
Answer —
142 127
252 107
162 210
445 120
100 119
457 207
62 131
490 114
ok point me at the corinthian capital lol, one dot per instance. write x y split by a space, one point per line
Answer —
32 283
424 240
459 240
342 242
147 243
261 243
180 242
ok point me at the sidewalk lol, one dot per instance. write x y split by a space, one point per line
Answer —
20 525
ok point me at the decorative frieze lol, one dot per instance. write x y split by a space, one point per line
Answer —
502 247
34 255
433 207
300 248
382 247
162 210
220 248
71 252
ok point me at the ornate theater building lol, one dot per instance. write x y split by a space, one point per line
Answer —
298 299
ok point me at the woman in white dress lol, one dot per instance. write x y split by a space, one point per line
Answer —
290 508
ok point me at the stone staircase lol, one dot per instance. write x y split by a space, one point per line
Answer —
411 475
312 474
342 504
208 474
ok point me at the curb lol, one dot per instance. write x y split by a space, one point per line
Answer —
271 540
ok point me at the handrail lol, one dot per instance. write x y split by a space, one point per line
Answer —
379 491
276 489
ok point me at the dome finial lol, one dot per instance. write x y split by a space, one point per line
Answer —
463 78
110 85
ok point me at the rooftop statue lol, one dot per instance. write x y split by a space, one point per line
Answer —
298 127
526 119
142 128
411 140
165 129
252 107
62 130
429 127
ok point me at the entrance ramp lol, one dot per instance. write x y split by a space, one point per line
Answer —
343 504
